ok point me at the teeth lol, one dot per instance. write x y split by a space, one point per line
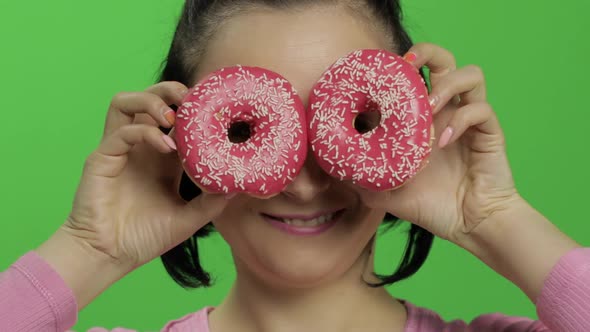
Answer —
309 223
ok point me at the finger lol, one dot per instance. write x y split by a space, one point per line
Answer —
467 82
123 140
198 212
479 116
170 91
178 178
125 105
166 90
438 60
154 101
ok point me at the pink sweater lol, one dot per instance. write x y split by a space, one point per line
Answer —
33 297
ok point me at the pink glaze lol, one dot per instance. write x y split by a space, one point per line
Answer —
276 150
393 152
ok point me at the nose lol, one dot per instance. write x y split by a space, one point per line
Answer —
309 183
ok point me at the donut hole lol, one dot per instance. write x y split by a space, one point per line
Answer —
368 120
239 132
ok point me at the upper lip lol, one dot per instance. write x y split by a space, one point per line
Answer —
304 217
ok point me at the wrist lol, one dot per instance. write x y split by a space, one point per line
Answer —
519 243
85 270
496 229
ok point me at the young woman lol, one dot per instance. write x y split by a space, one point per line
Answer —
127 211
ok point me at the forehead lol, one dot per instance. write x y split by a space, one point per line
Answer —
298 44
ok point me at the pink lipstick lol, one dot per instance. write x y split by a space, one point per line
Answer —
304 225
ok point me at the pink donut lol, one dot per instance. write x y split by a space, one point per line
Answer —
392 91
242 130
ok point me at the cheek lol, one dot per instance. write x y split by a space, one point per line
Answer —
365 231
230 224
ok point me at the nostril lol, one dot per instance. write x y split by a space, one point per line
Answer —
308 184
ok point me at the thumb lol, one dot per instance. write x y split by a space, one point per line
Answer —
199 211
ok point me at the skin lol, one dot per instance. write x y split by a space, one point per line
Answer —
284 273
282 278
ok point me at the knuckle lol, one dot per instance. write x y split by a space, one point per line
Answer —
127 131
150 130
90 160
156 104
452 62
477 70
458 121
160 84
134 133
449 59
157 87
94 161
167 88
118 98
446 56
177 86
141 129
171 84
447 87
487 108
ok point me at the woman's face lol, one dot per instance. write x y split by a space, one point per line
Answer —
299 45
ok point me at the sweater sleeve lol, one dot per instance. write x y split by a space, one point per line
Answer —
562 306
564 302
34 297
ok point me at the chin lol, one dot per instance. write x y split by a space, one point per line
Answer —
309 267
288 260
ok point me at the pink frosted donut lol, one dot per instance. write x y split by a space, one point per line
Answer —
391 91
242 130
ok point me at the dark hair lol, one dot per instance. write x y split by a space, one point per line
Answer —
197 23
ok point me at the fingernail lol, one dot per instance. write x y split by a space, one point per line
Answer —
170 116
410 57
433 100
169 141
182 94
445 137
230 196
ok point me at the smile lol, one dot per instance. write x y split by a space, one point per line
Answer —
307 223
304 224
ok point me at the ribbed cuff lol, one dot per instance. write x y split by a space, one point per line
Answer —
564 302
51 287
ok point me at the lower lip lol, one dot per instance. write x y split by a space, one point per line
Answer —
303 230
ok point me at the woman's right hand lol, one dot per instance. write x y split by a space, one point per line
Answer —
127 204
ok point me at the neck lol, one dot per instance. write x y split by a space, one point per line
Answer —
345 304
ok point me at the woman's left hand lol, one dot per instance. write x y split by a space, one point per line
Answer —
468 178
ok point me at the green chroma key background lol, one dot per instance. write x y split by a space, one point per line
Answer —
62 61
